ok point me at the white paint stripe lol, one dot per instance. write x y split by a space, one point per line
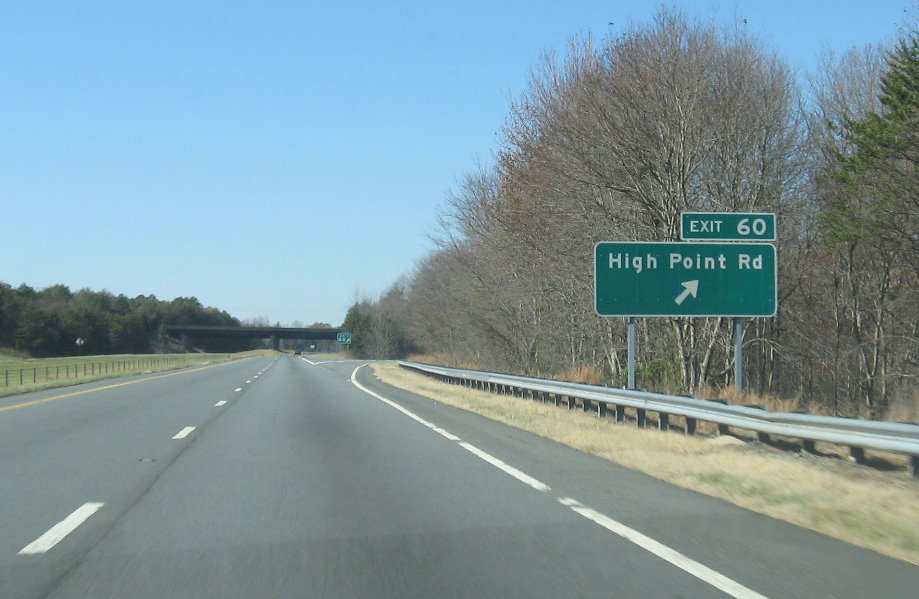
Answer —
508 469
700 571
60 530
220 403
238 389
249 381
446 434
504 467
184 432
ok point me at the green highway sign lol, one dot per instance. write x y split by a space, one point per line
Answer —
344 338
685 279
727 226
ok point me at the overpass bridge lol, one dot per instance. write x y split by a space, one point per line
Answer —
187 332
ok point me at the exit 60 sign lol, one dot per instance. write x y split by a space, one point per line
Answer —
727 226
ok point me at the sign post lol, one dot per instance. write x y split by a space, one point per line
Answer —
631 351
738 354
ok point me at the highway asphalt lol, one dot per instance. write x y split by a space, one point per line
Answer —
278 477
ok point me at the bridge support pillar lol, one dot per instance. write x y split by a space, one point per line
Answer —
275 343
185 344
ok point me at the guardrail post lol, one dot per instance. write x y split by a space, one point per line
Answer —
663 421
913 467
620 413
763 437
601 409
723 429
689 428
808 446
585 404
857 454
641 417
571 403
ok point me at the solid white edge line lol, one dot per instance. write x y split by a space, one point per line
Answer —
184 432
60 530
504 467
220 403
688 565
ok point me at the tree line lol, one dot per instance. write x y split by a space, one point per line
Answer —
48 322
612 141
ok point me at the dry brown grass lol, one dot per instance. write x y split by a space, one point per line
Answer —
581 374
772 403
872 509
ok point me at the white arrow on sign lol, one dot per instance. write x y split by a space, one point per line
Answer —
689 288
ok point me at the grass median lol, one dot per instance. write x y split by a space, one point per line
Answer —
869 508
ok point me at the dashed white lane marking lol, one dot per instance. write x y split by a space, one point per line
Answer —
237 390
688 565
691 566
504 467
184 432
60 530
249 381
220 403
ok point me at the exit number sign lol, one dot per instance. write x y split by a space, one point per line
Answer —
727 226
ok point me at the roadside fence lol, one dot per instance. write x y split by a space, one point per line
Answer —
69 370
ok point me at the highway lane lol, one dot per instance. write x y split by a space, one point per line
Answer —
100 442
304 485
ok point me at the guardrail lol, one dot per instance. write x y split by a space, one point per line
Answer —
858 435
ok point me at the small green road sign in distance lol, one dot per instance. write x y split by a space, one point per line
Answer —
727 226
344 338
685 279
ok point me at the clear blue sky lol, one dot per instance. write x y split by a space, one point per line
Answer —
274 158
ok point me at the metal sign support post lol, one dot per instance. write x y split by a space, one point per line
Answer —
738 354
631 350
